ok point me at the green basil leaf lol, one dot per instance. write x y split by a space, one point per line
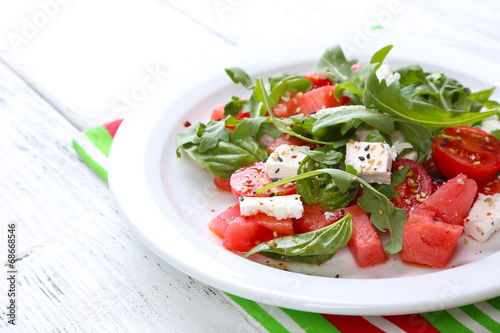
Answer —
313 247
248 127
389 99
214 132
227 157
190 136
238 75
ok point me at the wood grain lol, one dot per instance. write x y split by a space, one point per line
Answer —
80 269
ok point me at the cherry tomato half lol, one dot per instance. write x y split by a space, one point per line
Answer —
250 178
489 187
416 187
466 150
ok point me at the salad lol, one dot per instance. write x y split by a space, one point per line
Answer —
348 152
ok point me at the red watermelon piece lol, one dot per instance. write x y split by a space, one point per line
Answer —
241 233
427 240
451 203
314 218
365 244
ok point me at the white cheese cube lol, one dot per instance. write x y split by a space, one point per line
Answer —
372 160
490 124
280 206
484 217
384 72
284 161
323 112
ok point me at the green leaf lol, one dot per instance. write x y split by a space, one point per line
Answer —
248 127
496 134
289 83
397 177
238 75
191 136
214 132
325 155
349 86
481 96
313 247
418 136
389 99
380 55
234 106
227 157
253 107
335 66
384 123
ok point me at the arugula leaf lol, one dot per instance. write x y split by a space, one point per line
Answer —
384 215
313 247
496 134
380 55
289 83
335 66
321 189
248 127
397 177
191 136
374 118
234 106
389 99
238 75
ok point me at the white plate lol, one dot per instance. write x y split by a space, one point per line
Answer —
169 201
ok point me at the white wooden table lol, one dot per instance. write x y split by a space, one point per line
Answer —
71 65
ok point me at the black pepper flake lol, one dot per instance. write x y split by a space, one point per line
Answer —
443 144
264 160
367 147
315 87
314 112
254 192
322 185
274 179
435 219
339 81
271 195
280 159
361 158
337 276
277 170
368 156
241 198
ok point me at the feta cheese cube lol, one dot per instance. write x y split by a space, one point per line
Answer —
484 217
372 160
490 124
285 160
323 112
384 72
281 206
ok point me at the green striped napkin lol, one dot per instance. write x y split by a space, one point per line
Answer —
93 147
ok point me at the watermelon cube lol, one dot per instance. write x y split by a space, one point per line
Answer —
241 233
427 240
365 244
451 203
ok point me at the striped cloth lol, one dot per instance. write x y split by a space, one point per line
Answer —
93 147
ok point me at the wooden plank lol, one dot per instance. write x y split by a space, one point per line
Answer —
79 266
